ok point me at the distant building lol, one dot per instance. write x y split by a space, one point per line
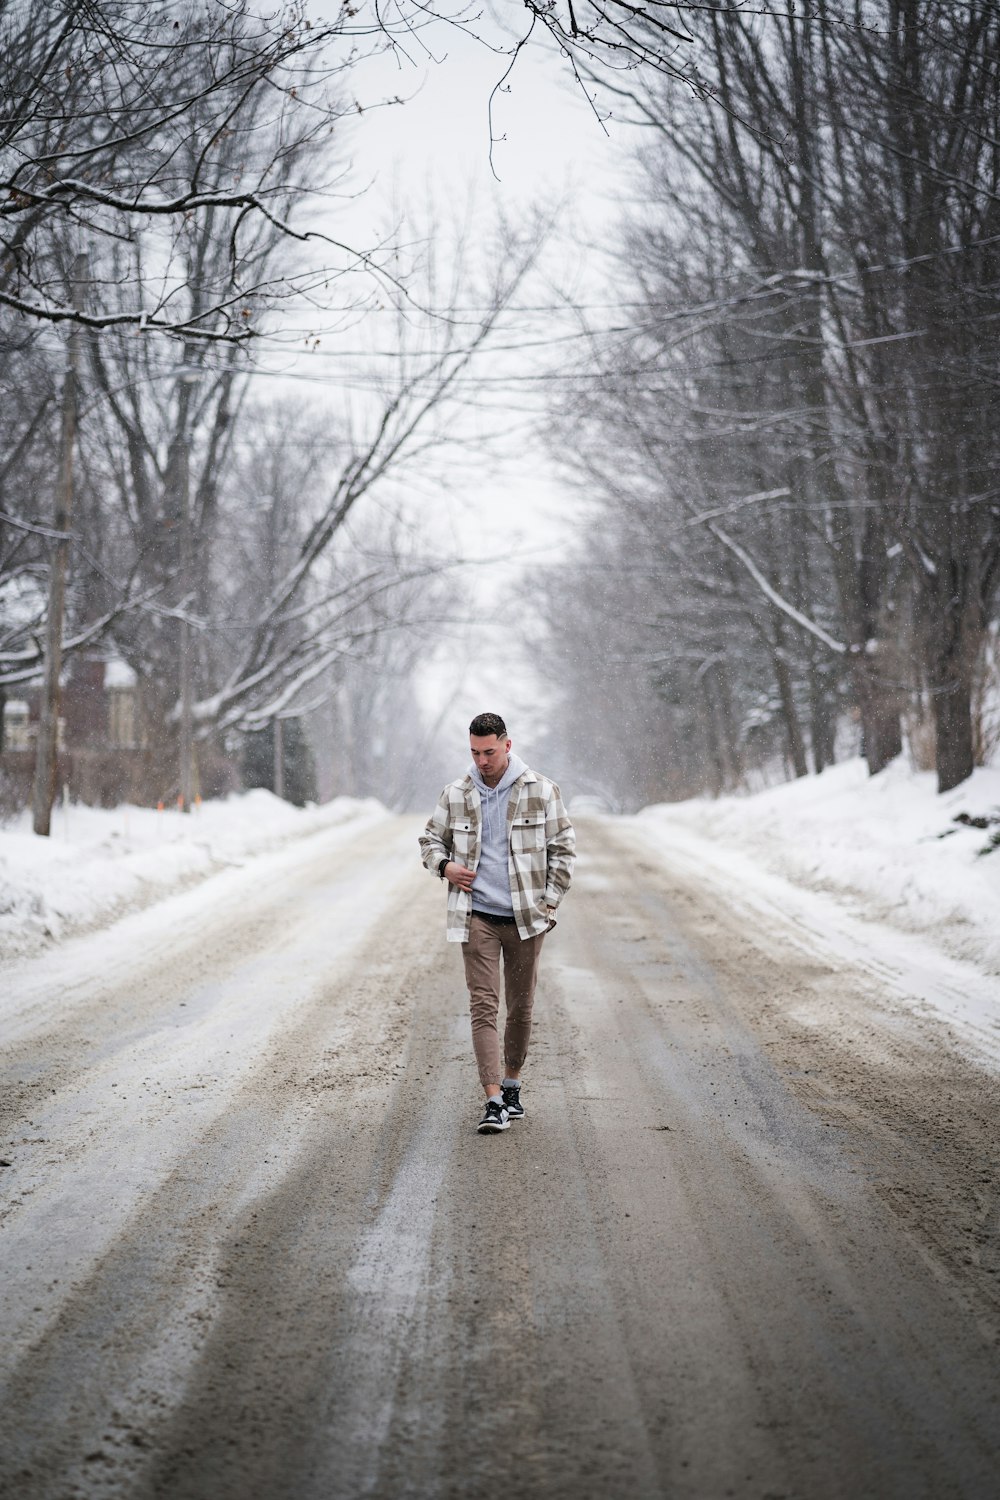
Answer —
112 748
121 688
103 750
16 731
100 709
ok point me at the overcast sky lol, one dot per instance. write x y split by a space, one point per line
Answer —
432 155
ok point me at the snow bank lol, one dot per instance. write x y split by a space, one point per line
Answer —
100 863
887 847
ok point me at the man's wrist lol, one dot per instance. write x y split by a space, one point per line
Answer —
442 866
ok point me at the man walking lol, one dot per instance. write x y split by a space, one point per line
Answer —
501 838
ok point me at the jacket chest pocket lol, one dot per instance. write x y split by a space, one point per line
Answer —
527 834
463 836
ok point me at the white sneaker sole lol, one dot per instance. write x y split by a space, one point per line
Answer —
492 1129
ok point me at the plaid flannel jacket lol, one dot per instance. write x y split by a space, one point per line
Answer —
541 850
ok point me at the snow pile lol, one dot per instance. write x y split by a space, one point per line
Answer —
887 847
99 863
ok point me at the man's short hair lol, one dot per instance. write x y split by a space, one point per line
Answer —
484 724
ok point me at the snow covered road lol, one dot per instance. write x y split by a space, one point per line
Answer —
746 1242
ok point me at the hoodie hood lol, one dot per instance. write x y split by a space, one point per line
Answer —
515 768
494 805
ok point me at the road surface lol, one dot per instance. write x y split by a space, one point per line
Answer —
745 1243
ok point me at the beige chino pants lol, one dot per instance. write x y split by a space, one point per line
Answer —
487 941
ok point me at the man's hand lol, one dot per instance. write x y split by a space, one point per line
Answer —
459 875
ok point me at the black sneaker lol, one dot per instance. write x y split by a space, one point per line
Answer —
495 1117
511 1097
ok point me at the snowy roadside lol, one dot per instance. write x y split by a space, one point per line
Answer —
876 869
101 863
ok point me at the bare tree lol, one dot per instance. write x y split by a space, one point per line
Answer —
125 122
816 266
233 531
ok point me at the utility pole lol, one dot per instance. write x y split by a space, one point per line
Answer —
279 757
47 748
187 727
186 663
273 518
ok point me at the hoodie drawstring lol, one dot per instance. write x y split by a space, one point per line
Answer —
492 798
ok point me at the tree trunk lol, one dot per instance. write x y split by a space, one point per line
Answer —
822 718
720 735
953 736
715 775
793 728
279 758
732 761
952 698
881 724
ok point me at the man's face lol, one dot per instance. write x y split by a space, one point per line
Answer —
491 755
